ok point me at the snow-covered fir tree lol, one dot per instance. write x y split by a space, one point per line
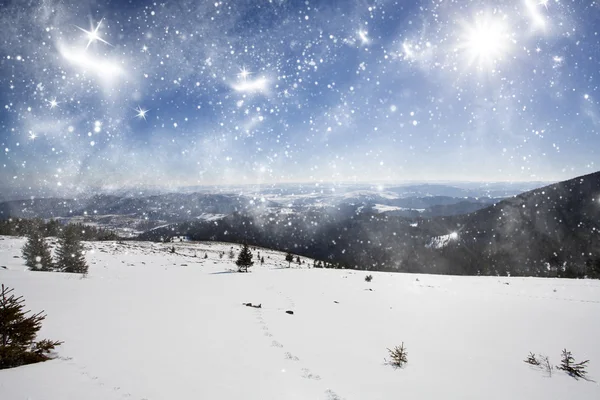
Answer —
244 260
70 253
37 252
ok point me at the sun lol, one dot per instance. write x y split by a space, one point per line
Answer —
486 41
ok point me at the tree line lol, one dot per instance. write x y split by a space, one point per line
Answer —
395 244
53 227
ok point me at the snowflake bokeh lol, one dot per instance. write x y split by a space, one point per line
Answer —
112 94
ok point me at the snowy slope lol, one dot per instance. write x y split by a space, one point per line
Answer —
148 324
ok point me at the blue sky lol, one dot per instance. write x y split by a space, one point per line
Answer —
292 91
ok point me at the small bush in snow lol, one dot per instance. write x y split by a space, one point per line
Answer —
568 364
541 362
545 365
368 278
398 356
18 332
289 257
531 359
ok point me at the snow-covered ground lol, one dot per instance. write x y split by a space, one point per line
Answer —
381 208
149 324
439 242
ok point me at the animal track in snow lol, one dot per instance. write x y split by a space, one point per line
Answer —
309 375
331 395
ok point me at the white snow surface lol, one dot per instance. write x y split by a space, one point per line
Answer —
438 242
148 324
381 208
211 217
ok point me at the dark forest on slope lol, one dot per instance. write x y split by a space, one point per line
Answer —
551 231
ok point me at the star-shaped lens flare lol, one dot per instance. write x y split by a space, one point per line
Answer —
92 34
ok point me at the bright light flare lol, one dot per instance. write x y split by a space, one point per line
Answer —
92 34
537 19
52 103
364 38
454 235
106 70
244 73
141 113
258 85
486 41
407 48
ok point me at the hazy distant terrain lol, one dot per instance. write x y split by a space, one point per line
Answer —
134 212
550 231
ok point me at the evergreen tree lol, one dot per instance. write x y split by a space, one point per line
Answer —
289 257
18 332
70 252
52 228
569 365
244 260
37 252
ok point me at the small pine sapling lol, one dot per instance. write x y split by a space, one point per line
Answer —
289 257
568 364
398 356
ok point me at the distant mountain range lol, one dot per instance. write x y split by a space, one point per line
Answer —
553 230
550 231
137 213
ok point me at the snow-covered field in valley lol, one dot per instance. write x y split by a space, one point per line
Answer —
149 324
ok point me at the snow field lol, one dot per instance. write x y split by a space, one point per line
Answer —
149 324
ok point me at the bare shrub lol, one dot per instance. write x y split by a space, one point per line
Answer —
541 362
531 359
545 365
